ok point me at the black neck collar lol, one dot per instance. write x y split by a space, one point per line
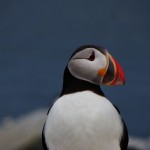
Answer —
72 85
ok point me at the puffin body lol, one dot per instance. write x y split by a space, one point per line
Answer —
82 118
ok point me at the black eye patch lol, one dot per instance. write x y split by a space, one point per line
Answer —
92 57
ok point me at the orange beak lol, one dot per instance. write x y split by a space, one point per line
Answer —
112 74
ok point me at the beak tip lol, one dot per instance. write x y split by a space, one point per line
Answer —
114 74
120 83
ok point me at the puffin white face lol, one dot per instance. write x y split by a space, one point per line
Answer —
96 66
86 63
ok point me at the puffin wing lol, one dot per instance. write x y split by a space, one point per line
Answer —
43 136
124 139
43 139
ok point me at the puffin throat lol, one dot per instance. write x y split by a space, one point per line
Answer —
72 84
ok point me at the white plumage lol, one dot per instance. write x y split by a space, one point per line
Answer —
83 121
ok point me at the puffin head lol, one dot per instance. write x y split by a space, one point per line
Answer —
95 64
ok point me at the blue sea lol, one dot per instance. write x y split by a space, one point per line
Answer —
37 39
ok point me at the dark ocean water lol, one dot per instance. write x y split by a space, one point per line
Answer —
37 38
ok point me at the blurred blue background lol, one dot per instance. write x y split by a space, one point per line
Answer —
38 36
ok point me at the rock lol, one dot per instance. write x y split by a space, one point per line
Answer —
25 132
139 143
17 134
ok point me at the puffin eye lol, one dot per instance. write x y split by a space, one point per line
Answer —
92 57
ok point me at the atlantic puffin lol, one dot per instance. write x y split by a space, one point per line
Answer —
82 118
